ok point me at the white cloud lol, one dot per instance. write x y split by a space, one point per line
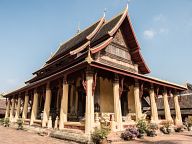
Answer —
149 34
11 81
163 30
159 18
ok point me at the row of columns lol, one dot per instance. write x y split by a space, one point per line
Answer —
89 115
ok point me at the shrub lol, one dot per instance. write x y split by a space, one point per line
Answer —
151 131
99 134
6 122
153 126
19 124
1 121
142 126
179 129
129 134
166 127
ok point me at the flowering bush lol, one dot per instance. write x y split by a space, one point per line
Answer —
99 134
151 131
129 134
142 126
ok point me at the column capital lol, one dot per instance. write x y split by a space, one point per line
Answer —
26 93
65 79
89 71
136 83
48 85
151 86
116 78
164 91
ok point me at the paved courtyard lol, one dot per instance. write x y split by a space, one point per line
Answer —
10 136
13 136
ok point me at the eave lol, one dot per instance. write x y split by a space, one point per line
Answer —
51 77
138 76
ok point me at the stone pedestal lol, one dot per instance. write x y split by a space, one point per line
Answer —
56 123
64 105
49 125
47 105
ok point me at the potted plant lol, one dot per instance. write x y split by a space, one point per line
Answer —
130 134
6 122
142 127
99 136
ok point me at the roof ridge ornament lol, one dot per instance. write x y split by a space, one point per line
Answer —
104 12
78 28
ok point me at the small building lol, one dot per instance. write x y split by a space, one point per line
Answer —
2 106
98 75
185 102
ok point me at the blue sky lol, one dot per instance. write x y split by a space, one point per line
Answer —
31 30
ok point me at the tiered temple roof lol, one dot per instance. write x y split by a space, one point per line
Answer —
73 53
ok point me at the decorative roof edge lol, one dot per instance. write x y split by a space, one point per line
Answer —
91 35
101 46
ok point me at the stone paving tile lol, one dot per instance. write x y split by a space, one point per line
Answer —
13 136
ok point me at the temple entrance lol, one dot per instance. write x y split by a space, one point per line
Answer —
81 103
124 103
53 108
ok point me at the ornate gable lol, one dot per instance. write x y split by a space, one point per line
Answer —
117 54
119 39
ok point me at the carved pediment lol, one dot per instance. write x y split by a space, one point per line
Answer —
119 39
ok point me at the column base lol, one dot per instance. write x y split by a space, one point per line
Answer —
178 122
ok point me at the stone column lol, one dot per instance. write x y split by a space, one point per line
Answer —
178 118
89 112
7 114
137 99
18 108
46 105
25 108
117 103
64 104
154 113
12 109
34 107
166 106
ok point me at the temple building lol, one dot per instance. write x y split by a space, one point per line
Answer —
98 75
